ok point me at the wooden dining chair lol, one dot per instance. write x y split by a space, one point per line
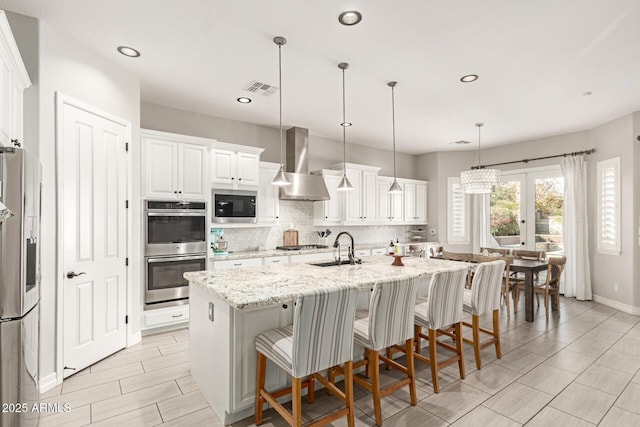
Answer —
499 251
508 283
550 287
457 256
527 254
435 251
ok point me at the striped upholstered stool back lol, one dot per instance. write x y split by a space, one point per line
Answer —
391 311
323 329
486 287
445 297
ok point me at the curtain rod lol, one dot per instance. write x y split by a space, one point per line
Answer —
575 153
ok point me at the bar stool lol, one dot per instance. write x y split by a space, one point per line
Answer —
484 297
321 337
390 322
442 309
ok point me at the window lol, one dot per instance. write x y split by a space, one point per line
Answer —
457 213
608 202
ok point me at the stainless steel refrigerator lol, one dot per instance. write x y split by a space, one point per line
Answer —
19 286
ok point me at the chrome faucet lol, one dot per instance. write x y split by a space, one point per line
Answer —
350 250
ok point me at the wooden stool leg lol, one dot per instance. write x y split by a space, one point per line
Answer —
375 384
331 377
496 332
433 351
417 331
348 392
367 369
260 380
411 372
389 356
296 401
475 324
311 391
460 349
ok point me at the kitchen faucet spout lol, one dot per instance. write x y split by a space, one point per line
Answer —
350 251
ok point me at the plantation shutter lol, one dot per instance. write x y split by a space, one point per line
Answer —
457 213
609 206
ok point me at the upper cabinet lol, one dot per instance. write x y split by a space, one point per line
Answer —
330 212
390 205
235 166
360 203
268 194
175 166
13 81
415 201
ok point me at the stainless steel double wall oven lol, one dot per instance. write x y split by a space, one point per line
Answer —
175 243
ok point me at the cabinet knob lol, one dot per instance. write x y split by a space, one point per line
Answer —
175 192
277 217
180 192
232 178
285 306
326 217
239 179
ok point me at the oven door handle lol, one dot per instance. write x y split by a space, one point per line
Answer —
179 258
174 213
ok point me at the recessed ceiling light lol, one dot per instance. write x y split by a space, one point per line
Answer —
128 51
469 78
244 100
346 124
350 17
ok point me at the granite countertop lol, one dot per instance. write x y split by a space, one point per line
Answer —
268 285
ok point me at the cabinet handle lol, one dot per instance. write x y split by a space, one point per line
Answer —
284 306
239 264
275 260
177 315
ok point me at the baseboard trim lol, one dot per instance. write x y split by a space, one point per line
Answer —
134 339
617 305
48 382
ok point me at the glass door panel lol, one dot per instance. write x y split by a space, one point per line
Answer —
507 211
547 189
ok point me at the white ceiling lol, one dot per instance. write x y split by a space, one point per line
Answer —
535 60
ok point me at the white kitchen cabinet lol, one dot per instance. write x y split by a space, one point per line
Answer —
235 166
360 203
390 205
415 201
309 258
236 263
275 260
13 81
379 251
174 168
268 194
167 316
330 212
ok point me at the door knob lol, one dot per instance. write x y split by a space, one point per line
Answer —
71 274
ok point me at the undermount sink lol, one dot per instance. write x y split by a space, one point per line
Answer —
331 263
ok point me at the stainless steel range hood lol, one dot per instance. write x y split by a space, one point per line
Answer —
303 186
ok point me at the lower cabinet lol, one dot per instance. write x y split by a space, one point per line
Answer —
167 316
236 263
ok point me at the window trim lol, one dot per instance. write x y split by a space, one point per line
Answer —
466 238
602 247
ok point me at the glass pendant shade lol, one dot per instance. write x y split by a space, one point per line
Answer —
281 178
345 185
479 181
395 187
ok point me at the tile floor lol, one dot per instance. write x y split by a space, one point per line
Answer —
580 368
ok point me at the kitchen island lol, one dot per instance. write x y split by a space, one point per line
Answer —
229 308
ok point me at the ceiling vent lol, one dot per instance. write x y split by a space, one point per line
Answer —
261 88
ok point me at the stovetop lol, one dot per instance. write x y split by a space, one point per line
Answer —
301 247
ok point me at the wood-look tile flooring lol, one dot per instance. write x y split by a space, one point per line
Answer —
580 368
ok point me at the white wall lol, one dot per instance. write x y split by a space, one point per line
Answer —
322 152
68 67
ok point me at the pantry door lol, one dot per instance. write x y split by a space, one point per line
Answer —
93 169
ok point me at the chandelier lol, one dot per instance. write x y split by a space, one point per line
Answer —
479 180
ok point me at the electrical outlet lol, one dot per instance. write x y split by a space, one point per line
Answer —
616 287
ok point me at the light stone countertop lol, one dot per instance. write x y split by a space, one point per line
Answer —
276 284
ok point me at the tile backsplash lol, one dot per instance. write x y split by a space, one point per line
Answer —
299 216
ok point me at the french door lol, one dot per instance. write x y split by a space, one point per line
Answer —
526 211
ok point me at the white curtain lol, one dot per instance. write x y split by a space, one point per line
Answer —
577 274
480 220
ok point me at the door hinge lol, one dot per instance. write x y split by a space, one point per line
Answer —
126 146
126 204
126 319
126 262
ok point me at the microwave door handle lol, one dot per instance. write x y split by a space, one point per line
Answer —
180 258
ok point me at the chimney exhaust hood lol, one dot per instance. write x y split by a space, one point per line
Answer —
303 185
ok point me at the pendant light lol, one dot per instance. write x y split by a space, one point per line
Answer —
344 185
395 187
479 180
281 177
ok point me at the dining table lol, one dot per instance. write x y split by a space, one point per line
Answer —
529 267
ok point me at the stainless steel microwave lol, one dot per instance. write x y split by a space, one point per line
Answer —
234 206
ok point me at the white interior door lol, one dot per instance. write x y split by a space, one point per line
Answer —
94 173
